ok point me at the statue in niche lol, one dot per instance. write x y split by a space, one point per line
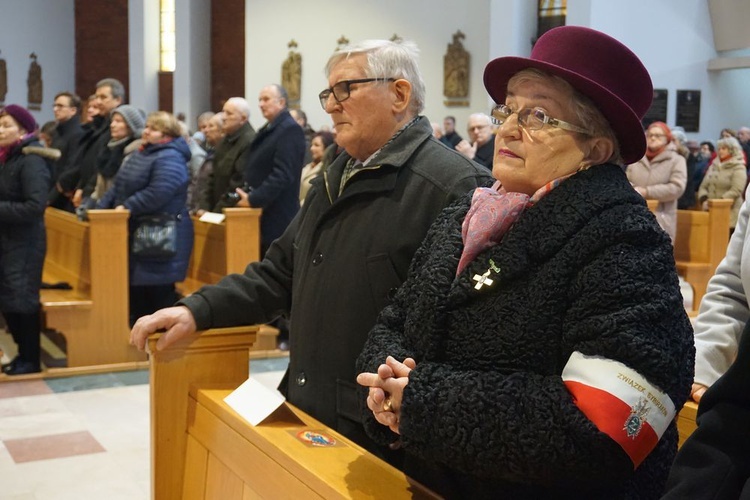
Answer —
342 42
34 83
3 81
456 69
291 75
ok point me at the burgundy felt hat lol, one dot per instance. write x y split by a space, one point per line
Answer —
21 116
597 66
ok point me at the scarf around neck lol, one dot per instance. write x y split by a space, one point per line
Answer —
492 213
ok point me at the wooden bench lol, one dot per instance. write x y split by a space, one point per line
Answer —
226 248
686 421
93 258
701 244
221 249
202 449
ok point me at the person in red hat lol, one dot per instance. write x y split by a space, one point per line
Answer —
539 347
25 180
660 175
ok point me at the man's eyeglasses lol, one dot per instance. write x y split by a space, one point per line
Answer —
341 90
532 119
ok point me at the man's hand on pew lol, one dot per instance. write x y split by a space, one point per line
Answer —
175 322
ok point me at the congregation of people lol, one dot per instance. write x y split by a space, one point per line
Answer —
458 299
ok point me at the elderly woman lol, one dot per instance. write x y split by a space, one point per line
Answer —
539 347
154 180
725 178
660 175
25 180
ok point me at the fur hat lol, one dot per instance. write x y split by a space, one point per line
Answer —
24 119
134 117
597 66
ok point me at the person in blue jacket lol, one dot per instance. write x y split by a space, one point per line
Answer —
154 180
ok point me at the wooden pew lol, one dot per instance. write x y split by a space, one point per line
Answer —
686 421
701 244
226 248
92 257
202 449
221 249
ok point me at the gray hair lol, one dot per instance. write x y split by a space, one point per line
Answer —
205 116
732 144
241 104
481 116
283 94
115 86
387 59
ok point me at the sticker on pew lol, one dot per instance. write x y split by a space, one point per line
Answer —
316 439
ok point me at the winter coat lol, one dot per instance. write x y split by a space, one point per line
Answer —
337 265
66 137
486 413
664 178
154 180
91 151
228 167
272 169
25 181
725 180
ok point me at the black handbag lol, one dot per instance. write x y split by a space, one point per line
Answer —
155 236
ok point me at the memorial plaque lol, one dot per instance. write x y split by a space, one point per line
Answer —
689 110
658 110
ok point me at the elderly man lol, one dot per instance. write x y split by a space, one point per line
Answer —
480 146
273 166
76 179
339 262
229 161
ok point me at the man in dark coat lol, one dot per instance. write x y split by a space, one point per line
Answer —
66 137
273 166
480 146
92 149
229 159
340 260
450 137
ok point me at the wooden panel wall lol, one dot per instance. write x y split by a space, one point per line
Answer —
101 41
227 51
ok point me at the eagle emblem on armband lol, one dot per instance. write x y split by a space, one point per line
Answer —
636 419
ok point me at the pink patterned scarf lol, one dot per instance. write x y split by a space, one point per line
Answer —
493 211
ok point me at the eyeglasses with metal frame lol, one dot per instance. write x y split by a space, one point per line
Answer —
532 119
341 91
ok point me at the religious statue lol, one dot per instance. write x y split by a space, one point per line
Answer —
456 72
34 83
342 42
3 81
291 75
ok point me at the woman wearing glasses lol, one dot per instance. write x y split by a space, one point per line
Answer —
539 347
660 175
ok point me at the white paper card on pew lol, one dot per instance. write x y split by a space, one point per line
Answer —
212 217
254 401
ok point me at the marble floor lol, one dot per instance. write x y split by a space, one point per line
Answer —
83 437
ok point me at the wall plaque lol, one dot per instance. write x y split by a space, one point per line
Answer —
689 110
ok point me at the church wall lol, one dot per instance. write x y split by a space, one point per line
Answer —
47 29
316 27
